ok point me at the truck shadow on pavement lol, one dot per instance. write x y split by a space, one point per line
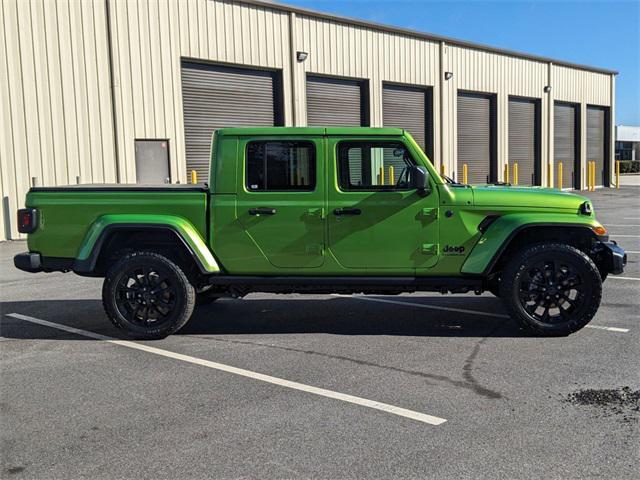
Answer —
261 316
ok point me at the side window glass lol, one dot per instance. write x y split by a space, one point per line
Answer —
374 166
280 166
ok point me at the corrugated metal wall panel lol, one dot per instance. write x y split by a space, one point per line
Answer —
56 104
474 137
596 140
579 86
406 107
565 140
217 97
333 101
523 139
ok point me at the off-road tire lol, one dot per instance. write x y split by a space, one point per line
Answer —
523 269
165 285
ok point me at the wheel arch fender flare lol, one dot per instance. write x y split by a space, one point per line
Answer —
184 231
497 238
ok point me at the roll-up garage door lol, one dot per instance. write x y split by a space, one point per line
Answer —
216 97
332 101
565 141
406 107
596 141
476 127
523 140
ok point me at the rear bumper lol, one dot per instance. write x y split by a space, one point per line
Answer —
33 262
612 258
29 262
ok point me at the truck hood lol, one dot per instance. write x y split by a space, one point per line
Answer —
532 197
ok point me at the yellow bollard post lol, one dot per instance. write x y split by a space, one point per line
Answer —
381 176
465 173
618 174
442 171
559 175
515 173
589 176
593 176
194 177
392 176
506 173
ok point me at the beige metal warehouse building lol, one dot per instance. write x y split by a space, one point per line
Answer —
129 91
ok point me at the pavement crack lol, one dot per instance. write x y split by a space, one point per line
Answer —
469 383
467 370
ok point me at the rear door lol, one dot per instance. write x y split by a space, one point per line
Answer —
281 199
376 221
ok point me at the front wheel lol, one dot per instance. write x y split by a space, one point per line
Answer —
551 289
147 295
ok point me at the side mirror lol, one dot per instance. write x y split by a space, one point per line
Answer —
419 179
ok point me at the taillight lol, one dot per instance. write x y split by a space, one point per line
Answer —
27 220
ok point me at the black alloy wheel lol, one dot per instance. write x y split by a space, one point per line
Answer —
551 288
147 295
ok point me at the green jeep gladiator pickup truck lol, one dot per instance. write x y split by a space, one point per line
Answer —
321 210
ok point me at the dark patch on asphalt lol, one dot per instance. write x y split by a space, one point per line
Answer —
470 382
619 401
14 470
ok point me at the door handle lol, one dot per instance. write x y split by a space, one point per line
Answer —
346 211
262 211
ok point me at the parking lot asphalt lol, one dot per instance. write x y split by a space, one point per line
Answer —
515 406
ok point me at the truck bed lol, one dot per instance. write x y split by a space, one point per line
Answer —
67 213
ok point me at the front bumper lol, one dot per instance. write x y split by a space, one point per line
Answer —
610 257
28 261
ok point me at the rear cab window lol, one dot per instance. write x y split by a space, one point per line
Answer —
280 165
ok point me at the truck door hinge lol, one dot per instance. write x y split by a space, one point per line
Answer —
430 248
430 212
316 212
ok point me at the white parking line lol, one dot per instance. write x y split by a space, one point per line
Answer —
631 251
616 277
609 329
615 235
385 407
621 225
464 310
632 218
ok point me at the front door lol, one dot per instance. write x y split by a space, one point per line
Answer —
280 204
376 220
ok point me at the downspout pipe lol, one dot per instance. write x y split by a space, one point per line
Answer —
112 86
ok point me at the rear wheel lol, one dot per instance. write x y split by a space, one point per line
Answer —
147 295
551 289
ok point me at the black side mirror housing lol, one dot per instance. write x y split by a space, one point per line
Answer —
419 180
